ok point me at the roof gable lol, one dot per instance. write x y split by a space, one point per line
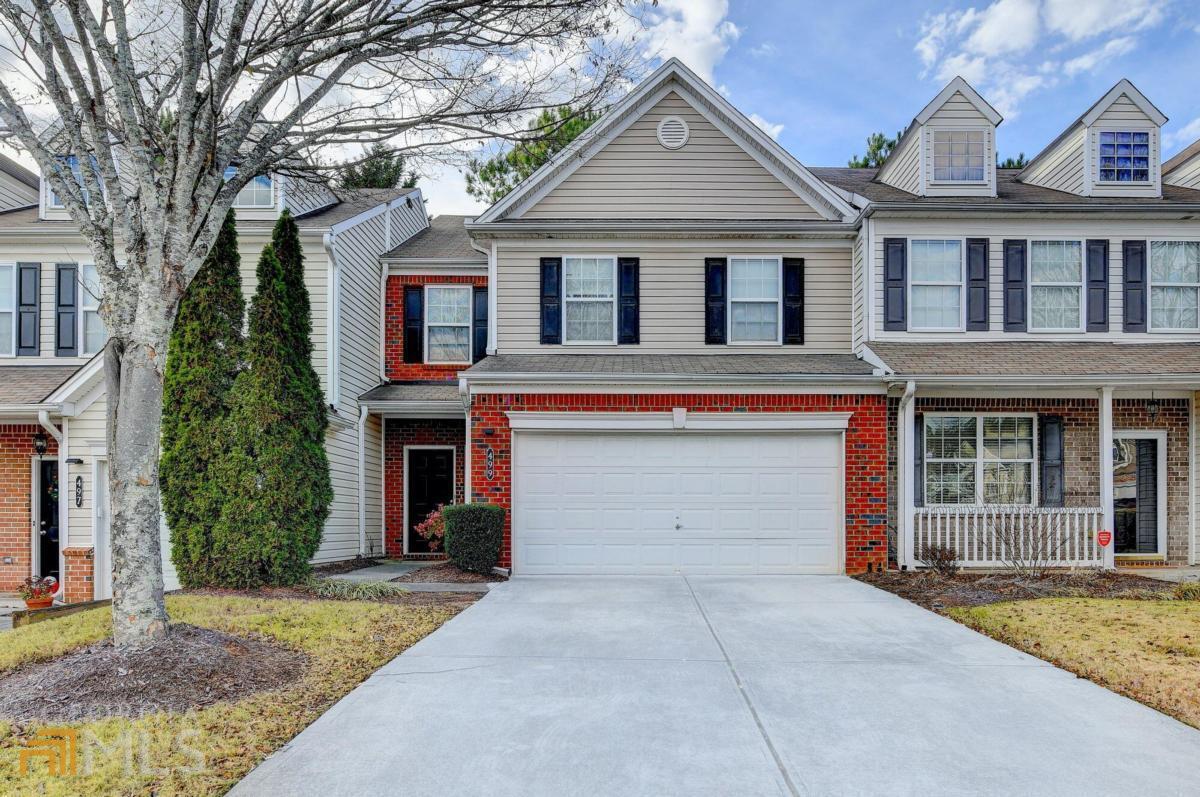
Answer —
959 86
1130 91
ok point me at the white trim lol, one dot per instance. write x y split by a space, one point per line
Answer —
453 483
35 514
363 413
1160 487
492 289
980 460
1150 328
1136 97
674 422
1093 155
1081 285
957 128
959 85
1106 472
276 197
961 283
383 493
729 301
415 409
566 299
468 326
14 309
425 271
99 558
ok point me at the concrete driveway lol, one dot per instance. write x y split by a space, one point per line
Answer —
723 686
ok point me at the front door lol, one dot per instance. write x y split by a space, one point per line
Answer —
430 475
47 519
1136 495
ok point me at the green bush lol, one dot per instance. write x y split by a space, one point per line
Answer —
474 533
1187 591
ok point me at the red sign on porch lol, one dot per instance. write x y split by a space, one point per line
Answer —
1104 538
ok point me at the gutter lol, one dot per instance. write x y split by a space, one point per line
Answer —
1043 380
1035 207
713 228
30 409
670 379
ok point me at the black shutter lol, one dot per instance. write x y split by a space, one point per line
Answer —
895 284
716 282
1134 255
919 460
793 301
1097 286
414 324
1147 497
977 284
479 323
66 310
551 292
1050 467
628 292
1014 286
28 317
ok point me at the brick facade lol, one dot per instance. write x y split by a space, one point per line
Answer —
16 487
395 368
399 433
78 585
865 472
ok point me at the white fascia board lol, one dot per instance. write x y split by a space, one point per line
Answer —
415 409
375 210
1181 381
868 356
678 420
79 382
959 85
668 228
1136 97
546 378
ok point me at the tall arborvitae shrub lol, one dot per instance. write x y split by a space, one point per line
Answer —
203 359
276 475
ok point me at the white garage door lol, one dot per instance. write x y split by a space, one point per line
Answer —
739 502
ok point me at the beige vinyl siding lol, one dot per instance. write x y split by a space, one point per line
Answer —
958 110
1122 111
1062 167
903 169
15 194
997 231
373 482
859 289
1186 174
634 176
340 538
672 294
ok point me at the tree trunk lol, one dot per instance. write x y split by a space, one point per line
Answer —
134 375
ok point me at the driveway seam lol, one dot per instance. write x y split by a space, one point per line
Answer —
737 679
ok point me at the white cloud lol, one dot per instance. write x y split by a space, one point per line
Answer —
1090 60
1082 20
1183 136
694 31
770 128
445 190
764 50
1006 26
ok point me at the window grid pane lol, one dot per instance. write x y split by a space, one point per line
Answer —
958 156
93 333
588 321
589 294
8 315
936 291
449 344
754 321
1175 285
1124 156
997 450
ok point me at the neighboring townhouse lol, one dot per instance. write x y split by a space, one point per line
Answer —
53 516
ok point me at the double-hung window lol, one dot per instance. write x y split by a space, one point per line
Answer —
979 459
1175 285
958 156
8 309
258 193
936 285
590 300
754 299
72 163
92 331
1124 156
448 324
1056 286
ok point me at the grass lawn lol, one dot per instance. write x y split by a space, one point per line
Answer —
1148 650
161 753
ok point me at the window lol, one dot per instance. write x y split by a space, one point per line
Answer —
1124 156
1056 285
936 288
448 324
589 300
754 299
1175 285
258 193
958 156
8 309
92 331
979 459
72 162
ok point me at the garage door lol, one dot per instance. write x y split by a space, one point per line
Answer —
740 502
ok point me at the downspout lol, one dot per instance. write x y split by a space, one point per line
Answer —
363 412
333 308
464 395
905 486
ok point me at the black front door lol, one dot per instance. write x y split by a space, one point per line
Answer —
430 485
1135 495
47 529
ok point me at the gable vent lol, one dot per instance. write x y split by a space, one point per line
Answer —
672 132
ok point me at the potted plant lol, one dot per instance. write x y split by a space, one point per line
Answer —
38 593
432 529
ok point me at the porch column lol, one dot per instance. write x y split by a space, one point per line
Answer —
906 554
1106 474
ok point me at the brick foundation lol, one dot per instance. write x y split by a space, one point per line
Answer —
394 366
16 487
866 449
399 433
79 584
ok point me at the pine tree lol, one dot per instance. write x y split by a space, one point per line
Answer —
202 363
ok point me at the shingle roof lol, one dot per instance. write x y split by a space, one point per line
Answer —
1067 359
672 364
18 171
444 238
413 391
1009 192
30 384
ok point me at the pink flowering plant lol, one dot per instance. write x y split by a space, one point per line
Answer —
433 528
34 588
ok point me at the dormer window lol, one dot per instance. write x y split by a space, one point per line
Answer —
959 156
72 163
258 193
1124 156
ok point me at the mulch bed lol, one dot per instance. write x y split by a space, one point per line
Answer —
447 573
191 668
337 568
936 592
301 594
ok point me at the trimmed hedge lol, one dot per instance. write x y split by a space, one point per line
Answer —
474 534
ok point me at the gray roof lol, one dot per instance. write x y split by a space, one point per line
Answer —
31 384
1181 157
413 391
1067 359
1009 192
673 364
445 238
18 171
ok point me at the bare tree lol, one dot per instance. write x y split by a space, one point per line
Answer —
134 111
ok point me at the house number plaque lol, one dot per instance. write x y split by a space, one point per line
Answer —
78 491
490 466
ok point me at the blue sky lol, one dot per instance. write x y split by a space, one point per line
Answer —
821 76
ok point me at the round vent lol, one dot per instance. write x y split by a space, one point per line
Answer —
672 132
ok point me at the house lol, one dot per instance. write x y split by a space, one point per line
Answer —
53 515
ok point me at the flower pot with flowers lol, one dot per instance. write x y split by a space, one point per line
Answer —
38 593
432 529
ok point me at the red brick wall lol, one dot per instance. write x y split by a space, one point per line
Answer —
78 584
16 485
399 433
394 366
866 450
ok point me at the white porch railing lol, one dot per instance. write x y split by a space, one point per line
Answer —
993 536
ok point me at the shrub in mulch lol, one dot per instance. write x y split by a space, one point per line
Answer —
474 534
446 573
191 668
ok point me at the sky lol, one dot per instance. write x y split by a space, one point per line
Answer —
821 76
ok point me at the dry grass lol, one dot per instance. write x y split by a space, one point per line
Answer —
1148 650
206 751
